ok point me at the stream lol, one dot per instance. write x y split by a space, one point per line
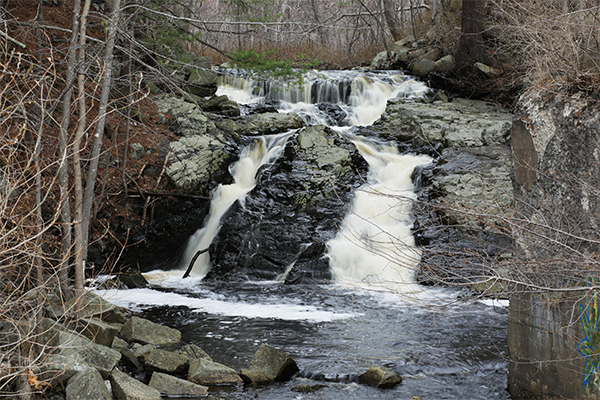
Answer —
445 345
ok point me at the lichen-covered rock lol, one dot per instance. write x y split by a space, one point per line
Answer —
271 123
459 123
274 364
169 385
98 331
87 385
127 388
209 373
193 352
380 377
144 331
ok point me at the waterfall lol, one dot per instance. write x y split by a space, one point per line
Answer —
262 151
375 245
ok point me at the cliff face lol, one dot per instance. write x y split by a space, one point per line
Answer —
553 336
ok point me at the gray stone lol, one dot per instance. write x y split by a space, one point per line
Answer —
186 116
81 349
474 184
271 123
318 145
422 67
459 123
98 331
202 82
445 64
87 385
222 105
144 331
169 385
165 361
380 377
127 388
379 60
118 343
193 352
58 368
254 376
136 151
273 363
205 372
488 71
129 358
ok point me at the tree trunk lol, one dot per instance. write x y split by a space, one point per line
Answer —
80 245
391 18
470 47
88 196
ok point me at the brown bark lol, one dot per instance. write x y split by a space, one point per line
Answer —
470 48
391 18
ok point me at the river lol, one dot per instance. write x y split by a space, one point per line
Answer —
444 344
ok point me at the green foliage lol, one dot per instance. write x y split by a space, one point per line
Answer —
263 66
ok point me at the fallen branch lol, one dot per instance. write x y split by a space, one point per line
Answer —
189 268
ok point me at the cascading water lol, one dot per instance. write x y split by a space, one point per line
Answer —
244 172
335 332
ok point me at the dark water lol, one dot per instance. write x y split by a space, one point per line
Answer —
451 351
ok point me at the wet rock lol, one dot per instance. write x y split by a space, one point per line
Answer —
165 361
282 230
380 377
132 278
272 363
128 388
144 331
169 385
209 373
307 388
460 123
87 385
271 123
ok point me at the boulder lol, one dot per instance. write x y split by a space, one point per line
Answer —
205 372
144 331
445 64
271 123
222 105
193 352
379 60
380 377
132 278
184 116
58 368
459 123
169 385
422 66
488 71
86 385
165 361
80 349
202 82
98 331
272 363
253 376
127 388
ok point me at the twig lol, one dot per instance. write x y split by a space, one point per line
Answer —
189 268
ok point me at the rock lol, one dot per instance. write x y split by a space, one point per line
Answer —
273 363
130 360
193 352
202 82
98 331
440 96
380 377
144 331
488 71
80 349
291 213
445 64
459 123
165 361
128 388
222 105
379 60
307 388
92 305
136 151
271 123
252 376
132 278
471 182
186 117
119 343
169 385
58 368
86 385
205 372
422 67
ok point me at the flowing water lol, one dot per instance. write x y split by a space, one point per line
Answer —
374 313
